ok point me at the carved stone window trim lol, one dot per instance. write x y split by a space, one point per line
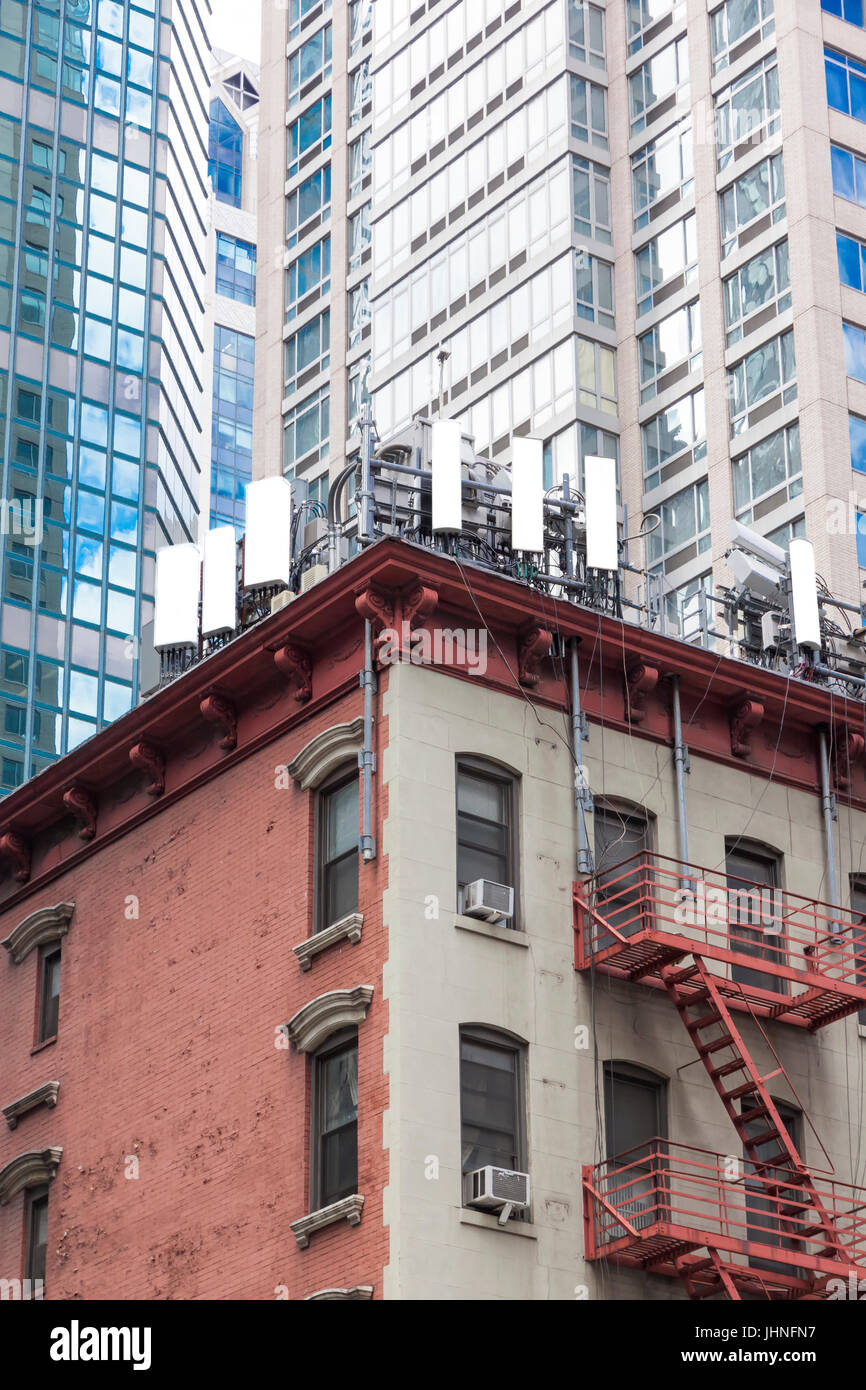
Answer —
326 752
34 1168
348 1209
347 929
42 1095
356 1294
328 1014
44 925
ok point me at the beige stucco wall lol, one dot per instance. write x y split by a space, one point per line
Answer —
439 976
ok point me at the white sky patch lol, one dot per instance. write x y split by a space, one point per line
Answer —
236 25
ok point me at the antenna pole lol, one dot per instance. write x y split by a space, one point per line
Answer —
365 496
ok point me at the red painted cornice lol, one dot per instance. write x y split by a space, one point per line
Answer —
319 622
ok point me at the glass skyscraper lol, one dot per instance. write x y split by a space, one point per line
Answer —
104 362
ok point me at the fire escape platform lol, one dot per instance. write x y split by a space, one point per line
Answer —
775 955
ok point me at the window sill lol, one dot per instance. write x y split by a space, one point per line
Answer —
491 929
347 929
40 1047
861 1029
487 1221
349 1209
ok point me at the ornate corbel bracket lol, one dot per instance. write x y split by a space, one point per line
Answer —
534 642
377 607
149 759
745 716
847 748
294 663
17 850
217 710
82 805
640 680
418 601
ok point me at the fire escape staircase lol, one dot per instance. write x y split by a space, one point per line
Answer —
773 1230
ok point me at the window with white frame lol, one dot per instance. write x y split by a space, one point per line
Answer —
588 112
851 257
311 60
674 341
660 169
669 260
360 23
855 351
770 467
643 15
761 287
747 111
596 375
679 432
654 81
849 175
359 393
758 193
359 312
308 351
767 372
309 134
594 289
683 607
306 430
360 236
783 535
299 9
591 200
360 163
310 271
736 21
586 33
684 524
565 452
360 91
309 203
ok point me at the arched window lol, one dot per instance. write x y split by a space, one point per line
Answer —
492 1099
755 925
334 1120
635 1109
622 838
487 841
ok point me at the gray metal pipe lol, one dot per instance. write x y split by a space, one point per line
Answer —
582 794
367 758
681 764
828 809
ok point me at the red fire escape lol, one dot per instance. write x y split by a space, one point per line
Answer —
764 1227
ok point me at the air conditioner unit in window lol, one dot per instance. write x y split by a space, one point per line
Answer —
493 902
496 1189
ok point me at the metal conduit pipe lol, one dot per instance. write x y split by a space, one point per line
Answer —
681 764
828 808
366 757
582 794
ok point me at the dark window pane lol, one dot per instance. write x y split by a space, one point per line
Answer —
37 1238
50 1006
489 1105
484 828
337 1124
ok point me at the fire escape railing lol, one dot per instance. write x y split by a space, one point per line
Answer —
660 1201
776 953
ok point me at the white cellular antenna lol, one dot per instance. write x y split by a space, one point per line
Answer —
599 490
527 495
447 445
219 587
178 582
268 543
804 594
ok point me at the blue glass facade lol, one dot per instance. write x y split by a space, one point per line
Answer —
225 154
90 486
234 358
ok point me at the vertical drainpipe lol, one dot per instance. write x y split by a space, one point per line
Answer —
828 807
682 765
582 793
366 757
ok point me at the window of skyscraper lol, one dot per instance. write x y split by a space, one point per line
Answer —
236 268
225 154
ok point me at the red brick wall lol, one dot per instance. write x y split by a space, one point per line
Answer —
166 1051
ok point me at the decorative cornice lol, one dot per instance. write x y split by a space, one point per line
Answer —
44 925
349 1209
418 601
847 749
295 664
323 754
217 710
43 1095
375 606
534 643
347 929
30 1169
15 848
640 680
356 1294
316 1021
148 757
745 716
82 805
